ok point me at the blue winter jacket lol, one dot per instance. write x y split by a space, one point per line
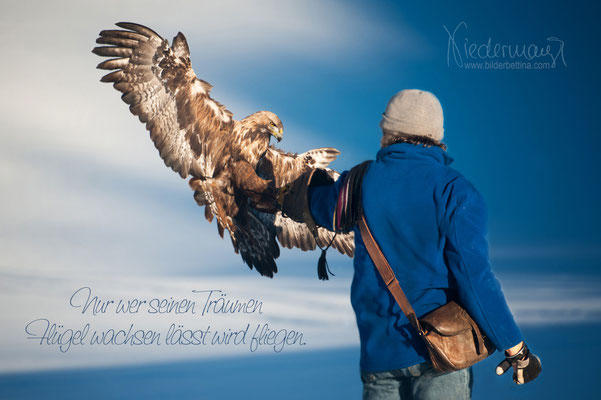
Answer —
430 223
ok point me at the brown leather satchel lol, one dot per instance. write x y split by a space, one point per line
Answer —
453 339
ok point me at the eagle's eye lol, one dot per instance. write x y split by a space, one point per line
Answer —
272 124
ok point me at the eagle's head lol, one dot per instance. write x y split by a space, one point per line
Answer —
268 123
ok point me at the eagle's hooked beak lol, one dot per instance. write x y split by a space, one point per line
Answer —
277 133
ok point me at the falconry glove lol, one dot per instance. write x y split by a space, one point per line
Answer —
293 199
526 366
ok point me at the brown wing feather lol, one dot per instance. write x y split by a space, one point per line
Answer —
157 81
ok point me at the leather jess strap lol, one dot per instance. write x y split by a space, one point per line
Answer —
387 274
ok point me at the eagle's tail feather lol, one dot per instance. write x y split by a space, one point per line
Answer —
257 244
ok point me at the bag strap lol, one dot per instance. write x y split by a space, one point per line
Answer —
387 274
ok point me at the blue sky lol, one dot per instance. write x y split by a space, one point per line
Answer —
87 200
527 139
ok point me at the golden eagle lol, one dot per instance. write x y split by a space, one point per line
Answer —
233 168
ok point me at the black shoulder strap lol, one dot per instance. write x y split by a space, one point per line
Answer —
349 206
347 212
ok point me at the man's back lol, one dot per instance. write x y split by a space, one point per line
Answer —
401 201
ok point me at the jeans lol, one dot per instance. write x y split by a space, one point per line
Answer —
418 382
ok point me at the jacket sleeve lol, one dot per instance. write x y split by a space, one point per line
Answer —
466 255
322 202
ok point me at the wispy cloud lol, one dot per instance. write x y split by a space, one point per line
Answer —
321 311
537 299
228 28
322 314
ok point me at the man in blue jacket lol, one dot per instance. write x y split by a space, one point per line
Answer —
430 223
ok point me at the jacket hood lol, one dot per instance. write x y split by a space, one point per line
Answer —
416 152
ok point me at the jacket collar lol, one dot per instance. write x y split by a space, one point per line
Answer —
413 151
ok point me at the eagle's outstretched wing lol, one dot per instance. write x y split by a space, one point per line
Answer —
284 167
256 239
157 81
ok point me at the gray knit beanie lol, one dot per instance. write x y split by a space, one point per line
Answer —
413 112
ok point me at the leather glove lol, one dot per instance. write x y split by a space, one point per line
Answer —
292 198
526 366
293 201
